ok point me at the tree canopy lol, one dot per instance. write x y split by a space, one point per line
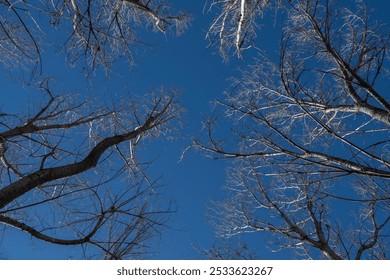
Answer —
310 135
304 127
70 171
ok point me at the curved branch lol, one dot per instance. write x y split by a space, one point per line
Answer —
50 239
31 181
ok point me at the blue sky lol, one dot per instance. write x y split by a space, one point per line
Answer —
183 62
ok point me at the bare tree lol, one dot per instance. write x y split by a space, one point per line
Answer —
70 174
97 31
310 138
70 171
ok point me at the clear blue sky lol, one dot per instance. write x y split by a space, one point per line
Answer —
185 63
